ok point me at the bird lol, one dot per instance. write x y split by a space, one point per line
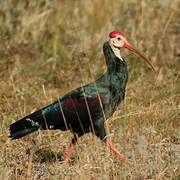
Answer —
86 108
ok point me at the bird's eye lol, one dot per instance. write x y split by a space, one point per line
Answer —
119 38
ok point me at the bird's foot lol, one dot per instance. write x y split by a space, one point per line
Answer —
67 154
121 157
116 152
64 161
68 151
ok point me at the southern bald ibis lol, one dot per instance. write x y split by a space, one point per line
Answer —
86 108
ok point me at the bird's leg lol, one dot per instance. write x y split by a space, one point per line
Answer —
69 150
100 132
114 151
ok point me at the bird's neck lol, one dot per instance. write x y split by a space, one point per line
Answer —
114 61
117 73
116 51
116 76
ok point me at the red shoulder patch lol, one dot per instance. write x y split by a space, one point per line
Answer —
74 104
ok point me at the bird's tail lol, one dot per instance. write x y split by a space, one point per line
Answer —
26 125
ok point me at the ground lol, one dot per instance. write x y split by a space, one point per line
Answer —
48 48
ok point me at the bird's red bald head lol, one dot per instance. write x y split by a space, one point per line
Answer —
116 33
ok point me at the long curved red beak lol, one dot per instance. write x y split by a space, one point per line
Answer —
134 50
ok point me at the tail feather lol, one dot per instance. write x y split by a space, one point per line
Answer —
19 134
26 125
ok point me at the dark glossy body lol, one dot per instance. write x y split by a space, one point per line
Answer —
83 109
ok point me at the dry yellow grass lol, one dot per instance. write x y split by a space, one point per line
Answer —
49 47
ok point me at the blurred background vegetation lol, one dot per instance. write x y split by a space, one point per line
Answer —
48 47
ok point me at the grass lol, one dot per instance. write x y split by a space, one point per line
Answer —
48 48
